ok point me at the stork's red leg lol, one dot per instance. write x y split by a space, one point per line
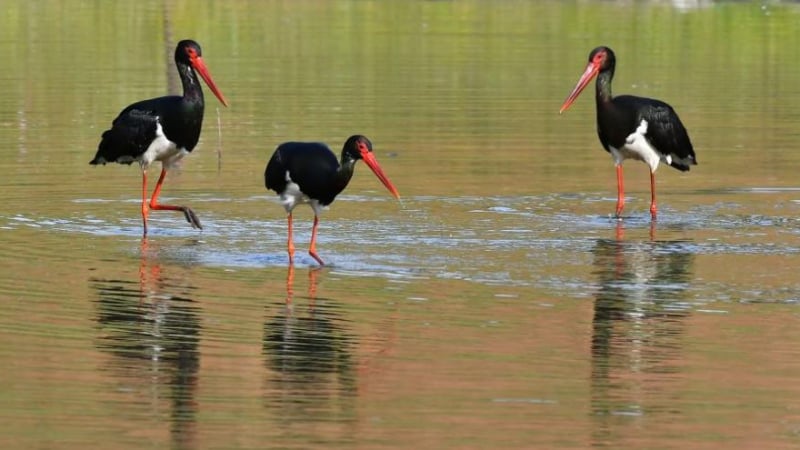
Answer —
620 191
191 217
290 242
145 210
312 249
653 208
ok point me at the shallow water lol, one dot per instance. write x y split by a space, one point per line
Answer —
497 305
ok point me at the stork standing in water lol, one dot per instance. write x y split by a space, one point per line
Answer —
161 129
632 127
308 172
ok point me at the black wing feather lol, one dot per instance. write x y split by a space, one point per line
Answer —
128 138
665 131
311 165
135 127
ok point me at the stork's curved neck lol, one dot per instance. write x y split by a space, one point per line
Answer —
344 173
191 84
603 86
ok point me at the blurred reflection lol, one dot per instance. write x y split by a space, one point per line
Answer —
638 323
309 356
151 327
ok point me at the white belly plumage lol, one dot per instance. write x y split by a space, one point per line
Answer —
162 149
637 147
292 196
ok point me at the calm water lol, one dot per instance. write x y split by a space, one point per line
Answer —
497 306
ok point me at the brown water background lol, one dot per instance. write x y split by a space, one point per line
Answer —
497 306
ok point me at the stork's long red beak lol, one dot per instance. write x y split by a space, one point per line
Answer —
591 71
369 158
200 67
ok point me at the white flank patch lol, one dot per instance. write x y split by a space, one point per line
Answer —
293 196
637 147
162 149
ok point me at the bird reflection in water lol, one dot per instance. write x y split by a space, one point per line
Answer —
311 375
151 328
639 313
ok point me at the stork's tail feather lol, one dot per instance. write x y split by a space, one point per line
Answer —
683 164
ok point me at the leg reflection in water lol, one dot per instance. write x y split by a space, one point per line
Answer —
311 374
640 313
312 285
150 328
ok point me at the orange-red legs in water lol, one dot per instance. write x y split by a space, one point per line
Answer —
621 194
191 217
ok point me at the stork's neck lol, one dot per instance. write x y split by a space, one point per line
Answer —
603 87
191 84
344 173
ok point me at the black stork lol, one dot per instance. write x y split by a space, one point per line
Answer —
308 172
633 127
161 129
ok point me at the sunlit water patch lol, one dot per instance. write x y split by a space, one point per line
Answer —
513 241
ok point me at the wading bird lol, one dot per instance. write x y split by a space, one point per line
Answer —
633 127
308 172
161 129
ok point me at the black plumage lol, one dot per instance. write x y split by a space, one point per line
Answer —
631 127
308 172
313 167
130 135
666 134
161 129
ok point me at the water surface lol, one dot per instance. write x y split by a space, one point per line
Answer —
499 305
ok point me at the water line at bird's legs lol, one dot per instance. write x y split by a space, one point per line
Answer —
653 209
191 217
312 249
620 191
145 210
290 241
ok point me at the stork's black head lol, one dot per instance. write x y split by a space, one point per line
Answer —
188 53
355 147
601 60
359 147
